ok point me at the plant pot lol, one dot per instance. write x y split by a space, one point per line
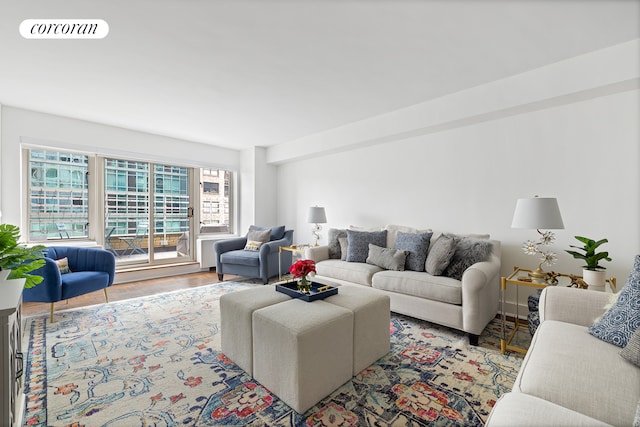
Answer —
595 279
4 273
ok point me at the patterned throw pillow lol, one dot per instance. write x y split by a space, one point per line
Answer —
387 258
358 249
623 318
440 255
632 351
63 265
469 250
417 245
252 246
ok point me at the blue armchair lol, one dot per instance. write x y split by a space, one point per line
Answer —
91 269
231 258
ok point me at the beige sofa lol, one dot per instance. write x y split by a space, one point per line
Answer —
468 304
569 377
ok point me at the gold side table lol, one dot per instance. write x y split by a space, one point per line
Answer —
295 249
518 278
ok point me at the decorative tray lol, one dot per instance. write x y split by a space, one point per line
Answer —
291 289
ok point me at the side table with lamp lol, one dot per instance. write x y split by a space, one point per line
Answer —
535 213
521 277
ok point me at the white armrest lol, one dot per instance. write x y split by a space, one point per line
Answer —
317 253
480 293
578 306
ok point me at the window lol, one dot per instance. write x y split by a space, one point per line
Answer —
140 208
212 218
58 195
210 187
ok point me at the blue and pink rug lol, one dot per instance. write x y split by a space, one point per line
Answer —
156 361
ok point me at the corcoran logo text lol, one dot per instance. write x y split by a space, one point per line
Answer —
64 29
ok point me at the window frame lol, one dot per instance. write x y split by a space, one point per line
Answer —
96 193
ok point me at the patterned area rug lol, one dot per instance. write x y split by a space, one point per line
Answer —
157 361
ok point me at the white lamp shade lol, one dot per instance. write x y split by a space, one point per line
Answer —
316 215
537 213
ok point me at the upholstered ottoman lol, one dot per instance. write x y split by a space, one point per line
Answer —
371 319
302 351
236 310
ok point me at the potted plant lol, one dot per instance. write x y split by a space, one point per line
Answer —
592 273
18 258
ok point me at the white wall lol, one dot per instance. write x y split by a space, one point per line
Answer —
258 190
23 126
578 142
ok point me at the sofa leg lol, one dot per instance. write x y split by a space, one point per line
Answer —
220 276
51 320
106 295
473 339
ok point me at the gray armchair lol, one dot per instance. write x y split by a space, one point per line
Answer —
231 258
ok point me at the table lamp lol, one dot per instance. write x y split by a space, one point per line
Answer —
538 213
316 216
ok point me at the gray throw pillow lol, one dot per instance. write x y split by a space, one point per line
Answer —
417 244
277 232
632 351
334 244
468 251
344 246
387 258
440 254
623 318
358 249
259 235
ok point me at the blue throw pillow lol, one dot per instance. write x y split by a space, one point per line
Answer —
621 320
417 245
358 250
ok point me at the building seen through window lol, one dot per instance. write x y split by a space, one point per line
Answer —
138 206
58 195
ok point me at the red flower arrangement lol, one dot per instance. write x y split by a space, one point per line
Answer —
302 267
300 270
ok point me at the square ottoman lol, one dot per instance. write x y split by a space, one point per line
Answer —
236 310
302 351
371 319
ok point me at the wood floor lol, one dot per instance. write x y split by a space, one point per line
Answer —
128 290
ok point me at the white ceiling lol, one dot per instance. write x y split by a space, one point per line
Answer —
241 73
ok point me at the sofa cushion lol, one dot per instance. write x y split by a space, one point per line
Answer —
621 320
468 251
567 366
387 258
440 254
358 249
422 285
632 351
519 409
360 273
241 257
333 242
417 244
